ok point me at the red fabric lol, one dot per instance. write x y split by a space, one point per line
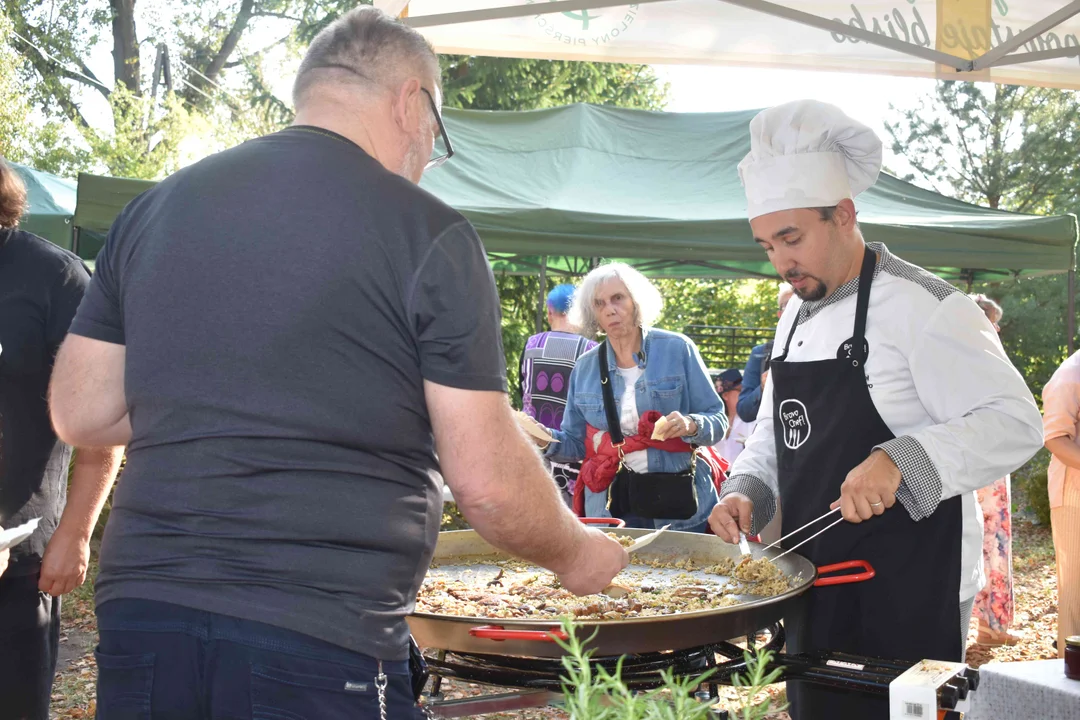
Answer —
602 458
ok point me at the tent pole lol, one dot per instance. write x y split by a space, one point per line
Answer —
75 240
1029 57
1070 323
990 57
763 6
542 303
513 11
867 36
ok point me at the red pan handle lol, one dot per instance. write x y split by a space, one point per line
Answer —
866 574
498 633
613 522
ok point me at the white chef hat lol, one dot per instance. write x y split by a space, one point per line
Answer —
807 154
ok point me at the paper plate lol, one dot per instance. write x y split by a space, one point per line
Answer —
13 536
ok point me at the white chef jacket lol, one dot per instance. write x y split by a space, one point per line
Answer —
937 374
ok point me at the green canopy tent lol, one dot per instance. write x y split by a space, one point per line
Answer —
553 190
50 205
663 190
100 200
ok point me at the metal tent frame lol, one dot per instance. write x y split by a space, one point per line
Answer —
1004 54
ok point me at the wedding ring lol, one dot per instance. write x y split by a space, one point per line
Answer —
877 504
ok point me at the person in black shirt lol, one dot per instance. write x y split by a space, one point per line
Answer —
285 332
40 288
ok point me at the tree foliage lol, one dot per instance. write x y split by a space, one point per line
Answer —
1001 146
746 303
1032 327
1011 148
214 87
485 83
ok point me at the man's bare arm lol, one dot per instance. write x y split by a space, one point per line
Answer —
504 492
63 567
86 394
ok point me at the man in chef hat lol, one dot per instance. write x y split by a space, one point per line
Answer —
888 398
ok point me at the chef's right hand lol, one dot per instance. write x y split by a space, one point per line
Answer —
731 515
599 559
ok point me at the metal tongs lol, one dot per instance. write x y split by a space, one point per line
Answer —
794 532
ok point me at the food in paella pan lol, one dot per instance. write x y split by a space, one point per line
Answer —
522 592
762 575
756 570
624 540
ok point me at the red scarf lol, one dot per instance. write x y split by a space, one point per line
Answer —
602 458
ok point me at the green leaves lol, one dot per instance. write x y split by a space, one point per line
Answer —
1000 146
1033 324
593 693
485 83
756 704
1011 148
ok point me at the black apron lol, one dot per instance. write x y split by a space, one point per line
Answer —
825 424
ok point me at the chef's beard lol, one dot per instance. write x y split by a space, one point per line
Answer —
813 293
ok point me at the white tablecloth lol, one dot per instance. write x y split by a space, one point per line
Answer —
1036 690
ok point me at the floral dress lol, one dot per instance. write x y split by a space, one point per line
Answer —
994 603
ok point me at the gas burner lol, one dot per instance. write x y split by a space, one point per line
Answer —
540 679
537 681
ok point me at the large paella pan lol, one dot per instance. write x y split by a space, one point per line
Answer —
723 607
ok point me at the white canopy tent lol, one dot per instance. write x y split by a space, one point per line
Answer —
1028 42
1021 42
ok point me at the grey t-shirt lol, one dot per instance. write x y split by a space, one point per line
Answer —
281 304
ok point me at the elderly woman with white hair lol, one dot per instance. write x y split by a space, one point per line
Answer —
638 406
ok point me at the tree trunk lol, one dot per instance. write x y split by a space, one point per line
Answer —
213 69
125 45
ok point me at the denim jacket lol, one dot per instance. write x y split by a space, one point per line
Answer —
750 394
675 378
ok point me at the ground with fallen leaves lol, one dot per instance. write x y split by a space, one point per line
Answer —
1034 580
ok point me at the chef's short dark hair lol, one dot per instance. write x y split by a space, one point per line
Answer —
828 214
363 44
12 196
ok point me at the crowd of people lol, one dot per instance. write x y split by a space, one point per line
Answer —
289 411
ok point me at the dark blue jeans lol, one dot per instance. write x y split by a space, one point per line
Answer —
161 661
29 636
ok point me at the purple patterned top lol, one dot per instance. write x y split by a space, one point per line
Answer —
546 364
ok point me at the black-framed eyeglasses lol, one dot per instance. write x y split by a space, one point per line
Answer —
443 150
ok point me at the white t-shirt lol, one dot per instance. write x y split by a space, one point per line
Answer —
638 461
735 440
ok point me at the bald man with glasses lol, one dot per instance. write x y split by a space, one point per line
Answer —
284 334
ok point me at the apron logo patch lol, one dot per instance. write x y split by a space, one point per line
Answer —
846 351
795 422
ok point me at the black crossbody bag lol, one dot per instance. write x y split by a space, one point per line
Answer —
647 495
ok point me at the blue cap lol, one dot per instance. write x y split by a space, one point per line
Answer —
560 298
730 379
